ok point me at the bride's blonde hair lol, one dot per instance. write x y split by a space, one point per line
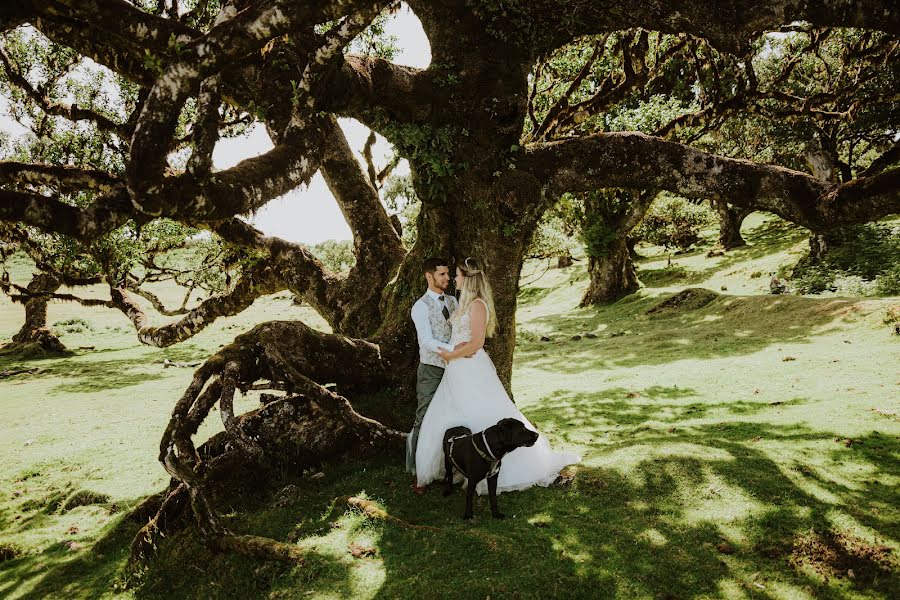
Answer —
476 285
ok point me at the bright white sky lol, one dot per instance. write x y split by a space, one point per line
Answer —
310 214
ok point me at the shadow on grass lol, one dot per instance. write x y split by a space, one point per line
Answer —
80 566
771 237
694 511
628 336
85 373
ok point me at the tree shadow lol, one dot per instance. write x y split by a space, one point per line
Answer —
81 566
709 507
84 373
771 237
626 336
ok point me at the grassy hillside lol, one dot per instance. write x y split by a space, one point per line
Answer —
747 447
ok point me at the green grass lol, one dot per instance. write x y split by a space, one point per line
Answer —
749 448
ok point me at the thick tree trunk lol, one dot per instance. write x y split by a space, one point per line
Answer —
609 216
821 243
612 275
34 330
469 226
730 220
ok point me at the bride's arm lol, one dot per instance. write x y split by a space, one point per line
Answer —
478 320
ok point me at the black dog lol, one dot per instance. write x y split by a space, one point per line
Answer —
478 455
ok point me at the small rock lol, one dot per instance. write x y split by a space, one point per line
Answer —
73 530
724 288
576 338
319 475
788 358
73 546
632 395
30 442
544 338
591 336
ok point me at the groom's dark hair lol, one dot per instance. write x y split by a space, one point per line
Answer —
430 265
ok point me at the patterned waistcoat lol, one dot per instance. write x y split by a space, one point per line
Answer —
440 327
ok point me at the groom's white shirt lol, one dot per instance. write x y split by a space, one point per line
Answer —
427 342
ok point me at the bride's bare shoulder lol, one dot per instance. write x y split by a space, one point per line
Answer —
480 304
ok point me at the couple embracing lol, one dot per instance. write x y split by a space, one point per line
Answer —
457 384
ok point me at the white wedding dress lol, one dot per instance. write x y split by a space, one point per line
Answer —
470 395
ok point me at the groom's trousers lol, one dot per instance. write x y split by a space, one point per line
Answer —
428 377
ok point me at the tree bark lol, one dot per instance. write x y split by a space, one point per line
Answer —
609 218
34 330
730 220
612 275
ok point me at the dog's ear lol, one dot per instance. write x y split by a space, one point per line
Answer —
507 432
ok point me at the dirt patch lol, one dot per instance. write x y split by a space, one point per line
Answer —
689 299
833 554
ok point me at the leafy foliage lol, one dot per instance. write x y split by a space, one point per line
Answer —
673 222
868 253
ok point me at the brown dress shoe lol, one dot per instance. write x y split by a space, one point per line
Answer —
418 489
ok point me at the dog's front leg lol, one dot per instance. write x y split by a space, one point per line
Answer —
448 467
492 492
470 496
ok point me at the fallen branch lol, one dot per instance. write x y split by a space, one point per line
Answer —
373 511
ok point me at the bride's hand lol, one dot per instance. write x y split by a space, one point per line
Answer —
445 354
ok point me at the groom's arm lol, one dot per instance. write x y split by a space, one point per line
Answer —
478 317
423 329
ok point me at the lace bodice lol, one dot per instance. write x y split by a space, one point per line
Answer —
462 326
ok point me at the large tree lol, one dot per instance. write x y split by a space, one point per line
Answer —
482 183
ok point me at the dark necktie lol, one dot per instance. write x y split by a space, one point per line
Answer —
445 312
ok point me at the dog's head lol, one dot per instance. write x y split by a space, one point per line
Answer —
511 434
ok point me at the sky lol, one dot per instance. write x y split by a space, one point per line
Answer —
309 214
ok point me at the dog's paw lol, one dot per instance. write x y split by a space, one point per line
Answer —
498 515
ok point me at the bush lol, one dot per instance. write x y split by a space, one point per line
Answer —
73 326
673 222
551 239
867 262
867 250
888 283
337 256
815 279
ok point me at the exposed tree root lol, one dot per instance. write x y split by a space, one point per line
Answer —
373 511
310 425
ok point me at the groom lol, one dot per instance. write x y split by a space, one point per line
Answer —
430 314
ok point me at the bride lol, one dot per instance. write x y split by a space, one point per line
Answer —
470 394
